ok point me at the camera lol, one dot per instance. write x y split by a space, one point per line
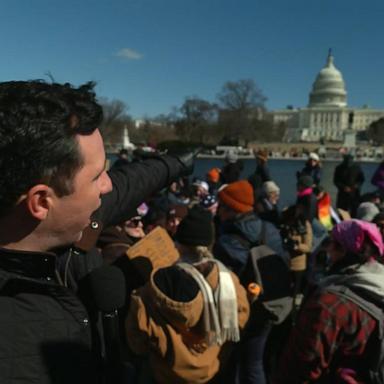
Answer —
289 244
286 232
300 228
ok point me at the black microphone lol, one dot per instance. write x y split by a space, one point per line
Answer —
109 293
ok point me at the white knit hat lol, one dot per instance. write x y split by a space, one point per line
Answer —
367 211
314 156
201 184
270 187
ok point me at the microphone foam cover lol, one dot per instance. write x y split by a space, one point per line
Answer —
108 288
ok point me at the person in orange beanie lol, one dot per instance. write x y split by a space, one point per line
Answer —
240 229
213 175
213 180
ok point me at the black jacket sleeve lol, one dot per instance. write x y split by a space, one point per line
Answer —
134 183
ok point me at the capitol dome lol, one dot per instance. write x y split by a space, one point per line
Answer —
328 90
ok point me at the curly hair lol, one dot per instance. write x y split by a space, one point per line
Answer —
38 127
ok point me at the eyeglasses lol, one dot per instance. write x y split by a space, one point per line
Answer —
134 222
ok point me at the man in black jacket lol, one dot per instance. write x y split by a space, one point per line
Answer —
55 196
348 178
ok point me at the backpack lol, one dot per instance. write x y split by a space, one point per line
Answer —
271 273
374 306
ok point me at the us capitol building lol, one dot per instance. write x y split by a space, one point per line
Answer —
327 115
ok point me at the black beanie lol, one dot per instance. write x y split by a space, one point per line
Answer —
196 228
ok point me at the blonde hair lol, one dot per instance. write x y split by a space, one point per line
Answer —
194 253
203 252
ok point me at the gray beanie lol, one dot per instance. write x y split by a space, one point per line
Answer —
270 187
367 211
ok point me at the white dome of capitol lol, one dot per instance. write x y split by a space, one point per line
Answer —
328 90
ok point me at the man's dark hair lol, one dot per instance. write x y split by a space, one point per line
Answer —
38 127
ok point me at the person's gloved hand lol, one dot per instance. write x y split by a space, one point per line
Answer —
187 159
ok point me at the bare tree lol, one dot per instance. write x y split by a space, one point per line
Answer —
153 131
241 103
116 118
376 131
242 95
194 118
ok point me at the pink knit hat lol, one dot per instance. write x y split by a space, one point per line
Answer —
351 234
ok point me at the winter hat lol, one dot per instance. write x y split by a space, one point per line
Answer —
201 184
305 181
367 211
196 228
314 156
208 201
351 234
238 196
231 157
213 175
270 187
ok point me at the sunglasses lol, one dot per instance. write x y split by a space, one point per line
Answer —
134 222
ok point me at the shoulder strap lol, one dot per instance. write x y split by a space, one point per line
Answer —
374 305
263 233
366 300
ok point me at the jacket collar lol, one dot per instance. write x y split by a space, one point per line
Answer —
36 265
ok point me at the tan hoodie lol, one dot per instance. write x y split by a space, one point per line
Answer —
169 332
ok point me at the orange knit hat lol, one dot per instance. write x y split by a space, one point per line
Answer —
238 196
213 175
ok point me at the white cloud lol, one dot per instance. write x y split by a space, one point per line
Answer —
129 54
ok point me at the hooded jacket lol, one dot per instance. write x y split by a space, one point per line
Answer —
169 332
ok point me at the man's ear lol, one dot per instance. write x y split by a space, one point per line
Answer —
39 200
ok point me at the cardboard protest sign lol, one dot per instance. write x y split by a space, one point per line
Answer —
155 250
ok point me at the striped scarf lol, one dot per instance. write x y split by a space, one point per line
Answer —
220 316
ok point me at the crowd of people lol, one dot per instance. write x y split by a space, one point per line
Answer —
257 294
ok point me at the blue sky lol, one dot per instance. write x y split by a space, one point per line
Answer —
153 53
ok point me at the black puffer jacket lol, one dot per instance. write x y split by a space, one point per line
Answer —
44 328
